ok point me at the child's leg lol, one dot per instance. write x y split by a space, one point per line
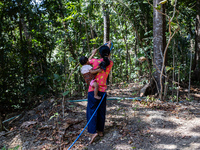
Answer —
96 88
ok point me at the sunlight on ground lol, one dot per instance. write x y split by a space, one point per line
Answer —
123 146
172 146
184 125
16 141
187 127
192 146
166 146
84 103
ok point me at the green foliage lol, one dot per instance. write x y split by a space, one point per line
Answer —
41 43
55 115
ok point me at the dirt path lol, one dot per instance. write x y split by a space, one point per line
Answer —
132 125
129 125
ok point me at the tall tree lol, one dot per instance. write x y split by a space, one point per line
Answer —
158 42
106 22
197 38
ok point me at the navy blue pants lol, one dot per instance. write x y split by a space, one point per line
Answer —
98 121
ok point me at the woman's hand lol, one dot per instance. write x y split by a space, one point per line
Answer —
95 71
99 70
109 44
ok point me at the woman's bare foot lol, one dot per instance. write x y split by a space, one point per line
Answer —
93 137
97 97
100 133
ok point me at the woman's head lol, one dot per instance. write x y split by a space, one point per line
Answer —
104 53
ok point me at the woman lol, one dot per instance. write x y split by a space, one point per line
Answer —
96 125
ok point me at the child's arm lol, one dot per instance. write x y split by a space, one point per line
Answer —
93 53
95 71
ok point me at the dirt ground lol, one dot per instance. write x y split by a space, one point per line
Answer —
139 124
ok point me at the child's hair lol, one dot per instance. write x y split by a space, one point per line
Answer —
83 60
104 52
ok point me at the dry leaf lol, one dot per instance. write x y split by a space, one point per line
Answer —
27 124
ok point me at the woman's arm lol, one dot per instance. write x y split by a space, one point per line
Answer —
95 71
92 55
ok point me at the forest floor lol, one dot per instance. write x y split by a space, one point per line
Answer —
147 124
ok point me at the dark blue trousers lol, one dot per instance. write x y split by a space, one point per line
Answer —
98 121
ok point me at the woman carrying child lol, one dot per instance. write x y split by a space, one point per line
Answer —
89 74
97 123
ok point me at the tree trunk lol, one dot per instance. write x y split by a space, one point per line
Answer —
1 124
106 33
197 38
23 55
106 23
92 35
158 42
127 57
136 43
88 42
191 49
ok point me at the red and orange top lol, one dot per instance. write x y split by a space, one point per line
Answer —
101 77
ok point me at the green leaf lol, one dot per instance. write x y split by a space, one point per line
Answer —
83 37
158 7
71 59
65 93
168 68
172 2
56 114
163 2
56 76
173 24
68 18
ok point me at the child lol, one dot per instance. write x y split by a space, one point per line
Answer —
89 74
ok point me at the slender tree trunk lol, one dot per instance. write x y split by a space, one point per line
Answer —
173 76
106 33
23 55
67 36
92 35
2 74
106 23
88 42
1 124
177 94
191 49
158 36
127 56
71 49
136 43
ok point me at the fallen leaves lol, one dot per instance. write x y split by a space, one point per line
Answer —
27 124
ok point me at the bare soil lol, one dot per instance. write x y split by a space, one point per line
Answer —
140 124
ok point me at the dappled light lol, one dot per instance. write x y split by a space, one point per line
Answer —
100 75
130 124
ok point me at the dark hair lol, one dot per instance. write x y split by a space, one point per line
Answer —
83 60
104 52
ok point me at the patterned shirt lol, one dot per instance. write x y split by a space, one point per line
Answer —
85 70
102 76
